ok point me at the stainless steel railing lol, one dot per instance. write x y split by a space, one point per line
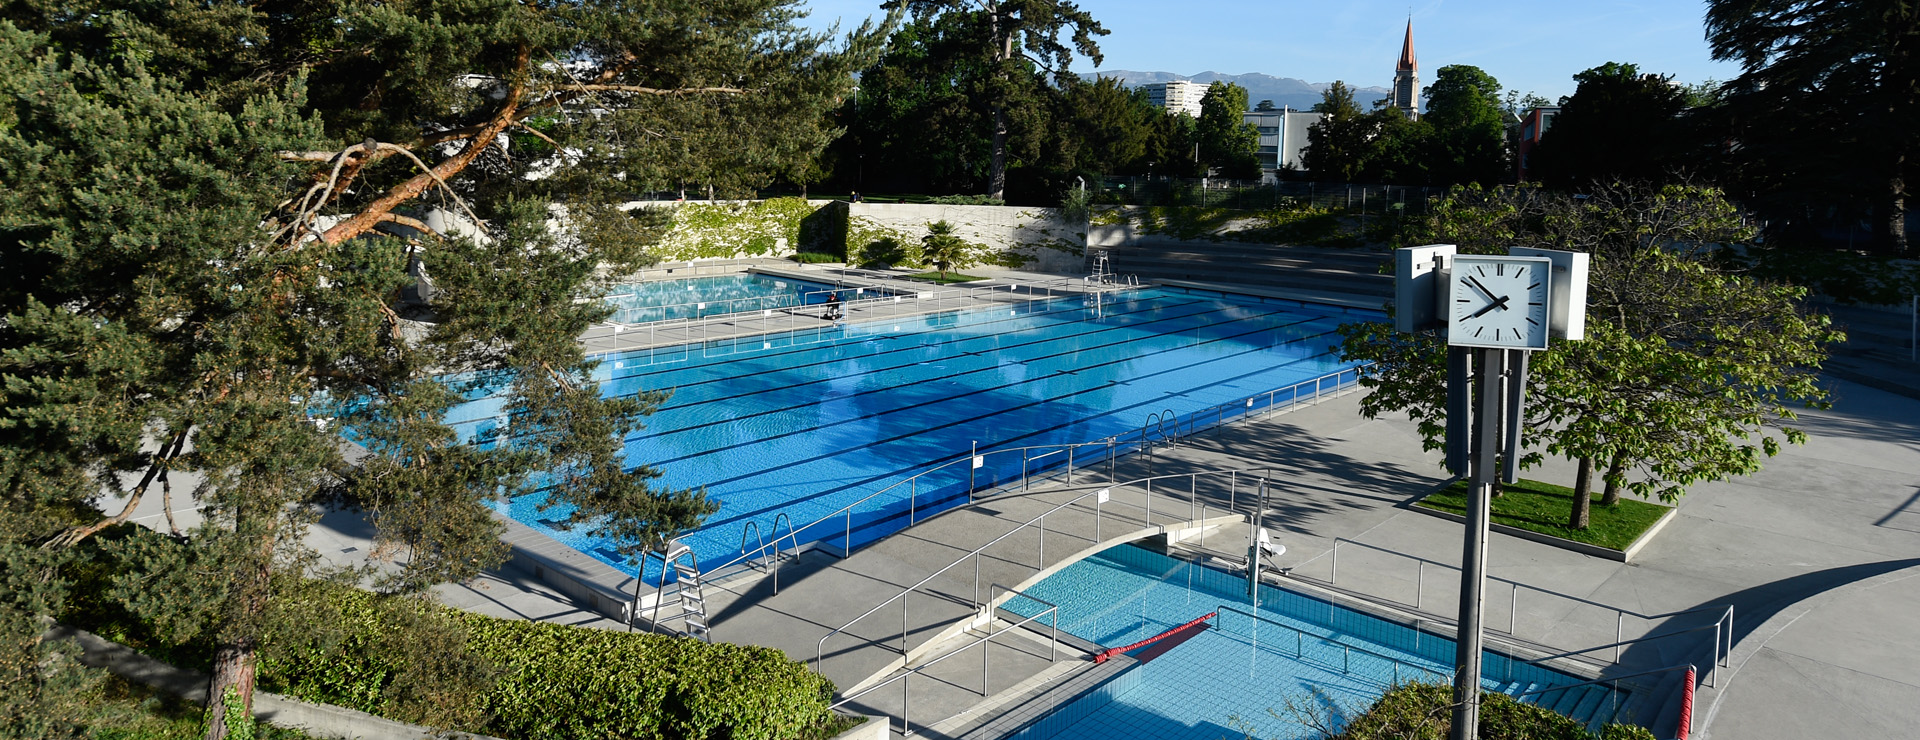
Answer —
1722 624
1100 496
905 677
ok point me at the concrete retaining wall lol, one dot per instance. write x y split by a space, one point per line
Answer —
1052 243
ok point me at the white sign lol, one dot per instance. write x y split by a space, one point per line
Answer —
979 460
1106 494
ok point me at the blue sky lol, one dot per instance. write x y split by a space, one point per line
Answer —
1535 46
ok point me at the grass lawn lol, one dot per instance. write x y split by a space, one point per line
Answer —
952 277
1544 508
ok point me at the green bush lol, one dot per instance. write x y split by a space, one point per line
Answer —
966 200
813 258
1420 711
415 661
547 680
889 251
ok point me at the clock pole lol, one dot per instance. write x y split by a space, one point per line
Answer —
1492 377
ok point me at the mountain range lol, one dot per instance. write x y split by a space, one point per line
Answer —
1283 91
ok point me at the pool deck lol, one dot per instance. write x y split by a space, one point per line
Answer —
1817 553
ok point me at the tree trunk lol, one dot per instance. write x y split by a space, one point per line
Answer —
997 169
233 668
1616 476
1893 224
1582 495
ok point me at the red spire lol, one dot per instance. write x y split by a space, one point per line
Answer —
1406 50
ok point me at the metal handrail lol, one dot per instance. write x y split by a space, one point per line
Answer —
906 674
888 294
1111 443
1608 679
820 648
1300 654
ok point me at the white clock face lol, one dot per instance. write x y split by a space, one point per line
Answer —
1499 302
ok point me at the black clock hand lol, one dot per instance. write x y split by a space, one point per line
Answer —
1483 289
1500 303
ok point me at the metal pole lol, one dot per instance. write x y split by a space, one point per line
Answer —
973 465
1473 559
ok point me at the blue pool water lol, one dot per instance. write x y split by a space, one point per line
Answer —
806 422
1222 682
698 297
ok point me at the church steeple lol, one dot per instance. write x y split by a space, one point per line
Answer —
1406 78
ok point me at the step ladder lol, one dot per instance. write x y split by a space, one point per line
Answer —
693 603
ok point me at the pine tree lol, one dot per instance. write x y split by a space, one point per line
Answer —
210 214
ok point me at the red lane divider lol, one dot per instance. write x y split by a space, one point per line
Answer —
1103 655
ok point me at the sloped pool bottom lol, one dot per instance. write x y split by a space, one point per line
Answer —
1245 676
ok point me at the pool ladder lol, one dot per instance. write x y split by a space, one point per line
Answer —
693 601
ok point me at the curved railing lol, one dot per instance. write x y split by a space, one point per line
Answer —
1036 460
1101 497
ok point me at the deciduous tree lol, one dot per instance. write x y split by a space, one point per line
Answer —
1688 373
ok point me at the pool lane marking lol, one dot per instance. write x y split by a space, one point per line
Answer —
1010 409
865 339
1067 352
496 388
929 362
980 337
1027 319
954 456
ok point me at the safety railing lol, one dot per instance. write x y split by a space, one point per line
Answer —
905 677
1722 624
1300 637
1101 497
1050 463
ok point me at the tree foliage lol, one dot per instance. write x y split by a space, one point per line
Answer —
1848 70
1469 128
1020 43
1619 124
1228 143
211 213
1690 372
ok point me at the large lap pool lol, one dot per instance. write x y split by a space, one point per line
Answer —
805 423
1222 681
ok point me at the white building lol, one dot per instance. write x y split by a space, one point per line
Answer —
1179 95
1283 134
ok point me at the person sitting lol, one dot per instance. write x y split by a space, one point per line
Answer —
833 307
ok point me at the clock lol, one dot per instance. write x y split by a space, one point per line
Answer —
1499 302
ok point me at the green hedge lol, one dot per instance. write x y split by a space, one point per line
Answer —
556 681
1419 711
411 660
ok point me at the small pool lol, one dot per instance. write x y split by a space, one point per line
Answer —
1222 682
692 298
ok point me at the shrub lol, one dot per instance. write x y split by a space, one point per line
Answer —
888 251
966 200
812 258
1421 711
409 659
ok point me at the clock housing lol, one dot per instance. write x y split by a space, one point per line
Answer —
1499 302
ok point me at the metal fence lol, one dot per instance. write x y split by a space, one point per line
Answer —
1353 198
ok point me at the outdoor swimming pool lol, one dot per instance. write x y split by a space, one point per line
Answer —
802 424
699 297
1222 682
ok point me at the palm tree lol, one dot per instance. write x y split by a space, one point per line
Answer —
944 249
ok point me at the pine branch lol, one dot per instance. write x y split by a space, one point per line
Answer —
413 187
641 90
